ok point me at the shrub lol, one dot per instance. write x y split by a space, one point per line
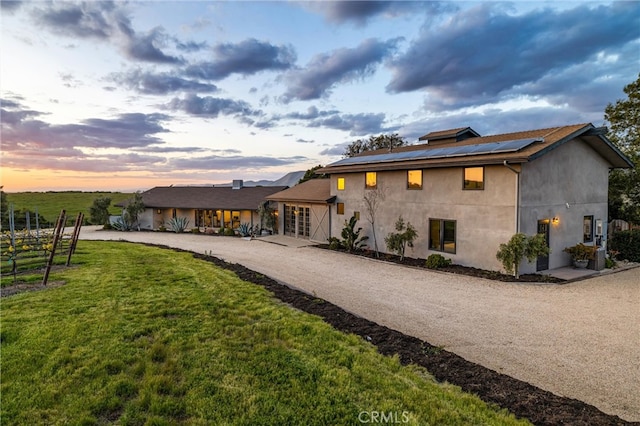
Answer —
627 243
435 261
581 252
228 232
334 243
520 246
195 230
244 229
178 224
397 242
351 239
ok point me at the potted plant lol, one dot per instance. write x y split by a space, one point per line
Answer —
581 254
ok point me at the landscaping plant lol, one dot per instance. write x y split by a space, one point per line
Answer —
519 247
436 261
351 239
398 241
178 224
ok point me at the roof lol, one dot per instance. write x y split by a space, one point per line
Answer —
450 134
517 147
311 191
207 197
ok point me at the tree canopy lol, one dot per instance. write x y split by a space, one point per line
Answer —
624 131
374 142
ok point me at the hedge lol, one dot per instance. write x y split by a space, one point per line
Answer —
627 243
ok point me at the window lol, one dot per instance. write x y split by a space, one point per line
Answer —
357 215
414 179
473 178
370 180
340 207
588 229
442 235
340 184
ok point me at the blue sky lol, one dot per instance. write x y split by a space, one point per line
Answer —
130 95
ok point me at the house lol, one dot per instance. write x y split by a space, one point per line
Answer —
466 194
304 210
205 206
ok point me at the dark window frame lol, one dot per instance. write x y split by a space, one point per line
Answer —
464 181
441 235
421 180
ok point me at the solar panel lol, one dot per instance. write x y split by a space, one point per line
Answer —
441 152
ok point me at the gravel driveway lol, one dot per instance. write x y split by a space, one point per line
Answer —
579 340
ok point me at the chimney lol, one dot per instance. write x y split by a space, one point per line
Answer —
237 184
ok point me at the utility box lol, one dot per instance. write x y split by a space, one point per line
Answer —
598 262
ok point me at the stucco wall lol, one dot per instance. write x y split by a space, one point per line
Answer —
484 218
571 174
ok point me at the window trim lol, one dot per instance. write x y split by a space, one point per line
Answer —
441 240
421 179
591 231
375 185
464 188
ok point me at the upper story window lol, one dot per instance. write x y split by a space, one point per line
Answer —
340 184
414 179
370 181
473 178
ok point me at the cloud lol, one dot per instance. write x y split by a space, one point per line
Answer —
10 6
344 65
191 46
516 50
359 12
312 113
210 106
107 21
159 83
247 57
355 124
233 162
21 131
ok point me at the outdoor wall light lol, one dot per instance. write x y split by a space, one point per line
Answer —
159 211
555 220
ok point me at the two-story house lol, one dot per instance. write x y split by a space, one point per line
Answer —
465 193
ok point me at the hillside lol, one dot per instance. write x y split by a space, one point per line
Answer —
50 203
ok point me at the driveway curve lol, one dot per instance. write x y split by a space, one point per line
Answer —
580 340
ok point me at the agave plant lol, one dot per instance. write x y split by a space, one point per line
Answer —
122 224
244 230
178 224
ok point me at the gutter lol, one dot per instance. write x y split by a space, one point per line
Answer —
517 201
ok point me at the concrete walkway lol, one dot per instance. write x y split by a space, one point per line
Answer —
580 340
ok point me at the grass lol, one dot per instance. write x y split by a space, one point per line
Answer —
50 204
142 335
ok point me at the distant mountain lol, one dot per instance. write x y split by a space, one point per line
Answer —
290 179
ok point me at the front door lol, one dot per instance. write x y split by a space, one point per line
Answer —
543 261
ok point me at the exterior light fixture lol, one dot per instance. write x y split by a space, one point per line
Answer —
159 211
555 220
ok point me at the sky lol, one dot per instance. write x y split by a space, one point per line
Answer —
125 96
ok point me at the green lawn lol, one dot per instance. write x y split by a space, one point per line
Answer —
49 204
143 335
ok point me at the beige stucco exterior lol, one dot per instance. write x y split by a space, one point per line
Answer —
513 200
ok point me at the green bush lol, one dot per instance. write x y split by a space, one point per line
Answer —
351 239
627 244
228 232
334 243
398 242
435 261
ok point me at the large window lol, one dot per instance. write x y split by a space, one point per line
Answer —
414 179
473 178
370 180
588 229
442 235
340 184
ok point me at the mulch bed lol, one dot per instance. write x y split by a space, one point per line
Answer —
456 269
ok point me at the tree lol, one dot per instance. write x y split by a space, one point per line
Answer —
134 207
311 174
374 142
519 247
99 211
397 242
624 132
372 200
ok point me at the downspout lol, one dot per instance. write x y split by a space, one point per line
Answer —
517 203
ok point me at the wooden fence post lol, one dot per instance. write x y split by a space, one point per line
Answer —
56 236
74 237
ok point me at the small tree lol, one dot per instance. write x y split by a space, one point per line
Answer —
397 242
372 200
519 247
374 142
351 239
134 207
99 211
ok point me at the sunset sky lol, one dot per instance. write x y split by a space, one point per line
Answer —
130 95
